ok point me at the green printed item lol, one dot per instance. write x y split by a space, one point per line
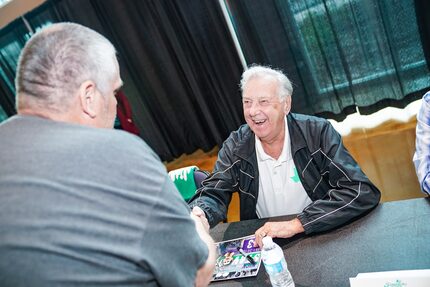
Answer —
183 178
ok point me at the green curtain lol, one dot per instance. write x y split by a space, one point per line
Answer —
3 115
12 39
422 8
340 54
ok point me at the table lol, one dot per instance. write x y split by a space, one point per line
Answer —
393 236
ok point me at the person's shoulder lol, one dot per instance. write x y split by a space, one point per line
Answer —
244 131
308 120
120 139
127 148
426 97
426 101
423 115
312 127
239 136
120 143
303 117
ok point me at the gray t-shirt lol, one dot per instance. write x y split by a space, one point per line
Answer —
86 206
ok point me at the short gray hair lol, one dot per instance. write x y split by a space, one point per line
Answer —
57 60
256 71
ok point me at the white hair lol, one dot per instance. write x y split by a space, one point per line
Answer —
57 60
285 89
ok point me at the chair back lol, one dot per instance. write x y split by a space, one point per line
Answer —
188 180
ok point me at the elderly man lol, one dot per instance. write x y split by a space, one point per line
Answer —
70 214
283 163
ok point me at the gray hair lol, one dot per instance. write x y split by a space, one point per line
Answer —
57 60
285 89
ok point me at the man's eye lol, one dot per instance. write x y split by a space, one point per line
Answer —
264 102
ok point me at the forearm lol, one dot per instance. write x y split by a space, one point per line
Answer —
204 273
215 194
214 209
425 184
339 206
422 168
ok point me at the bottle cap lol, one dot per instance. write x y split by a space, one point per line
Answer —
267 241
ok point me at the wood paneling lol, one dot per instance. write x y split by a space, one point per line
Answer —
385 155
15 9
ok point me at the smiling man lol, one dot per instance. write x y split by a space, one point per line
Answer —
282 163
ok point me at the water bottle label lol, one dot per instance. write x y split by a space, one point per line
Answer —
274 268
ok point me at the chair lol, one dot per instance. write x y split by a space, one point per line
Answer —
188 180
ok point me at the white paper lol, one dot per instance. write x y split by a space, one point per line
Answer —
401 278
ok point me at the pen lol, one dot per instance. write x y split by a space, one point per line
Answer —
247 256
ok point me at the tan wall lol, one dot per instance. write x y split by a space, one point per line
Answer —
15 9
385 155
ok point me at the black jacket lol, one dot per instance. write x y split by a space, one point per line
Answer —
339 189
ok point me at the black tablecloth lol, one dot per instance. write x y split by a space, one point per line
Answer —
394 236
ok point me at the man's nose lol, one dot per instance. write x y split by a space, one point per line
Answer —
254 109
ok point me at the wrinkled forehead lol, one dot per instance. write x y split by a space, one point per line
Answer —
261 87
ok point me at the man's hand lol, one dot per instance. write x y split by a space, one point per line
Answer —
198 214
282 229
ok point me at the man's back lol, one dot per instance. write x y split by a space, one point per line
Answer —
87 206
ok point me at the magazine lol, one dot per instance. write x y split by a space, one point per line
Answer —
237 258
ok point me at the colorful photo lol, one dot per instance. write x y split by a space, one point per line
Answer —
237 258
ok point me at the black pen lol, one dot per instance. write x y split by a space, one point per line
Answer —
247 256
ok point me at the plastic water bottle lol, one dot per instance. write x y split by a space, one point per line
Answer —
275 264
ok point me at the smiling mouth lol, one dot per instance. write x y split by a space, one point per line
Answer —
259 122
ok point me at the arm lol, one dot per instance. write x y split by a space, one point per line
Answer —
422 146
215 194
159 236
204 274
341 192
176 247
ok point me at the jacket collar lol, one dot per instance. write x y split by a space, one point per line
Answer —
296 136
245 149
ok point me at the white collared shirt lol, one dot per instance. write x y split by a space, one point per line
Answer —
280 190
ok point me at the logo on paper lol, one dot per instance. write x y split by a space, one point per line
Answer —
398 283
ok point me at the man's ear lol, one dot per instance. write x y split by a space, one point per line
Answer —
87 96
287 105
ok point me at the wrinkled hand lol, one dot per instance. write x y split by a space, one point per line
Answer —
199 217
281 229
